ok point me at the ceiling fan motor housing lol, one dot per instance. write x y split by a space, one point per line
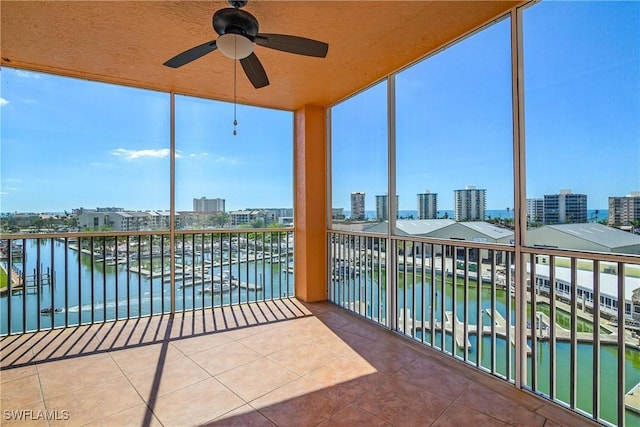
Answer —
235 21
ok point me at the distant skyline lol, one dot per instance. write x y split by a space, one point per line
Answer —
69 143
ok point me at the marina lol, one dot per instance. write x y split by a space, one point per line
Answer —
138 284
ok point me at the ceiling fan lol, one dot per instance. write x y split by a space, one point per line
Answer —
237 32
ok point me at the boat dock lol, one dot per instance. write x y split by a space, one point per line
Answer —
459 328
501 328
450 318
542 330
632 399
405 315
188 279
30 283
250 286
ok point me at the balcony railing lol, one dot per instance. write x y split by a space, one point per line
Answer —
61 280
491 308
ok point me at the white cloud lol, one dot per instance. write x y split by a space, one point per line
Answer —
191 155
27 74
139 154
227 161
3 102
8 191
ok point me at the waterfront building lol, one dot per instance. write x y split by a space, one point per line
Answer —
208 205
357 206
283 212
593 237
337 214
473 231
427 205
565 207
80 211
382 207
470 204
625 211
535 211
285 221
609 301
245 217
110 209
121 220
412 227
92 219
276 212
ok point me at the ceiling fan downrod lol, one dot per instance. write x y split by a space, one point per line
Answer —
238 3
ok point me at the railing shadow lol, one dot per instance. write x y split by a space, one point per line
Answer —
68 343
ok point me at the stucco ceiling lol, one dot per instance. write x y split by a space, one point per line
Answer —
126 42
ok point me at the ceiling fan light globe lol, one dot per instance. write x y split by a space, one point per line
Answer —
234 46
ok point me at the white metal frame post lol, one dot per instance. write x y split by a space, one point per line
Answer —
520 217
172 200
391 203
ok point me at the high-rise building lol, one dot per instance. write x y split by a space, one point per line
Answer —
470 204
427 205
357 206
382 207
208 205
565 208
624 210
535 211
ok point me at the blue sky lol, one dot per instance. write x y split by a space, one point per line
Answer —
69 143
454 114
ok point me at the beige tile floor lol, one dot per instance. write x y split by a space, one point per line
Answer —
282 363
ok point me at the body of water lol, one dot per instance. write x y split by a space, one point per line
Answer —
118 292
602 214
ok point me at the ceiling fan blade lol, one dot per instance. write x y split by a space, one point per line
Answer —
254 71
293 44
192 54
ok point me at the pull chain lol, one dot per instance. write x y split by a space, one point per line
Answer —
235 122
